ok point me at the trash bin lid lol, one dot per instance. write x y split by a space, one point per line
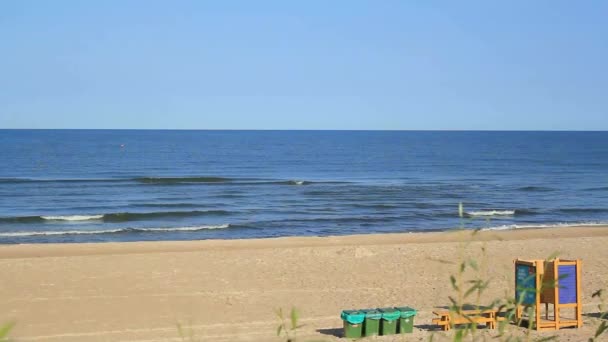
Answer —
353 316
390 314
372 313
406 311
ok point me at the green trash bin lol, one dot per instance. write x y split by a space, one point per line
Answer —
353 323
406 319
371 326
390 318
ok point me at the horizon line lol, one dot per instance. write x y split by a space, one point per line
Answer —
300 129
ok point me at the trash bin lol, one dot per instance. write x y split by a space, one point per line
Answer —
353 323
390 317
406 319
372 322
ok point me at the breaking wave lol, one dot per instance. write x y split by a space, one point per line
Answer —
491 213
115 217
71 217
546 225
112 231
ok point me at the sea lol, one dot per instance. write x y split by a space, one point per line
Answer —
63 186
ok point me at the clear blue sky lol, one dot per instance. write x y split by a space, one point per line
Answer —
304 64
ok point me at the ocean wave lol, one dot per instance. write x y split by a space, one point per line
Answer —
491 213
583 210
73 217
225 181
318 220
186 180
112 231
167 205
61 180
177 180
601 188
296 182
535 189
545 225
222 180
326 193
115 217
375 206
13 180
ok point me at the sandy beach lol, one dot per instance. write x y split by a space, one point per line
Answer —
228 290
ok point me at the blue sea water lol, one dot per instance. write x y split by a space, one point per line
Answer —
135 185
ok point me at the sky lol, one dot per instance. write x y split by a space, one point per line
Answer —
377 65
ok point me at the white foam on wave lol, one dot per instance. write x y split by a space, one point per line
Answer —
549 225
183 229
296 182
491 213
73 217
63 232
110 231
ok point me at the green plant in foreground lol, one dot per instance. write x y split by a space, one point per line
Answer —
289 331
4 331
603 327
186 334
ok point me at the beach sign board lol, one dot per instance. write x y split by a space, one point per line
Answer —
525 282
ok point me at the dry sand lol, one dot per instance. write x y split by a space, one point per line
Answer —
228 290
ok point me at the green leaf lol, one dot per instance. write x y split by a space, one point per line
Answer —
442 261
458 336
294 318
279 329
601 329
5 329
180 331
471 290
552 256
473 264
453 281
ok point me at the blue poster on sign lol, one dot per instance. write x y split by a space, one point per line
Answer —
567 284
525 282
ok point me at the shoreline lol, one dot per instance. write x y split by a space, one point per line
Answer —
29 250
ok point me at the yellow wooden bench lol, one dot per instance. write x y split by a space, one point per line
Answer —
448 319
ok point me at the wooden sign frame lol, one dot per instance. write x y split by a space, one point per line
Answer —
548 282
